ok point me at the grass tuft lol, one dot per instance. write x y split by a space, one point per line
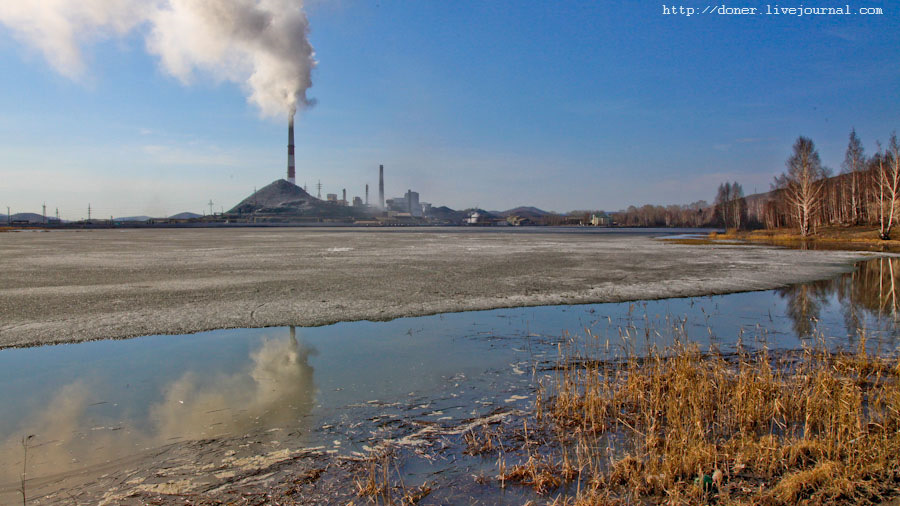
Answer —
682 427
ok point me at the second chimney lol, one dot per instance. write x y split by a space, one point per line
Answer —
381 186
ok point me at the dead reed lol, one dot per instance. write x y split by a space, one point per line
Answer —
681 426
381 482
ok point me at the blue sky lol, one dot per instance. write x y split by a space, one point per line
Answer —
561 105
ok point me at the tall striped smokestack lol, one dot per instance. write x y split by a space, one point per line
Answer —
381 186
291 176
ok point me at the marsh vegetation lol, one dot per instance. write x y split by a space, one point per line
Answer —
681 425
624 418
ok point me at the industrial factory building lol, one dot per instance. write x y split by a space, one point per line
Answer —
408 203
282 201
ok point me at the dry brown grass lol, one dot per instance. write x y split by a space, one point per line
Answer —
381 483
544 470
375 484
844 238
538 472
481 441
812 427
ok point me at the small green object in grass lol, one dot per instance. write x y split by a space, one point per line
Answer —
705 482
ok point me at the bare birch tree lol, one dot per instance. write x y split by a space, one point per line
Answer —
803 183
738 205
887 183
854 164
723 195
730 204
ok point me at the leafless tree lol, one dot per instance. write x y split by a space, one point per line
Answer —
730 204
723 195
854 164
738 206
696 214
887 182
802 183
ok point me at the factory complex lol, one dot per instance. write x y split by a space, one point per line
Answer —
283 202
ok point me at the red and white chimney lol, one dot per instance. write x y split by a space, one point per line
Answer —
291 176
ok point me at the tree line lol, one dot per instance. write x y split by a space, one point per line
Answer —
804 197
697 214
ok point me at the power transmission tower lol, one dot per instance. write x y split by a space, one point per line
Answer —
319 186
8 217
210 207
89 212
44 212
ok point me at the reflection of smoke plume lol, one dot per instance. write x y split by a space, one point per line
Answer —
260 44
277 390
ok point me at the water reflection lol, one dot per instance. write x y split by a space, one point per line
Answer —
804 306
96 402
275 388
868 299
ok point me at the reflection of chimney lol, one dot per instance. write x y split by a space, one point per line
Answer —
381 186
291 179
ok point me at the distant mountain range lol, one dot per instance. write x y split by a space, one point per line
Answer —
522 211
36 219
179 216
132 218
444 213
185 216
27 217
141 219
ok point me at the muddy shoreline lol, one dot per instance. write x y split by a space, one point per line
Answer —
73 286
209 471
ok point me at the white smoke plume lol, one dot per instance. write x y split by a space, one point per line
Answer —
262 45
